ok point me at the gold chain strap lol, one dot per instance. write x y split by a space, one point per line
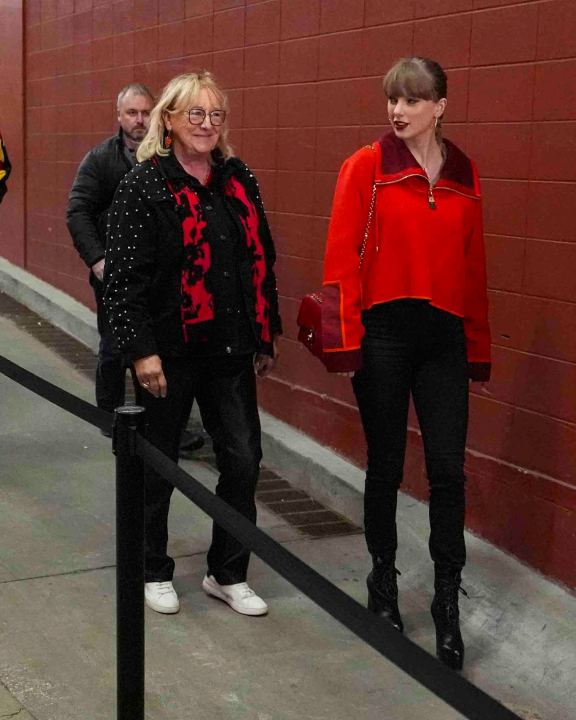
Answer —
370 214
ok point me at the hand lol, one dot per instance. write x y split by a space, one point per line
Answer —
98 269
264 364
150 375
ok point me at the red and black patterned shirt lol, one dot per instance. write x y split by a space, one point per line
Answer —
189 269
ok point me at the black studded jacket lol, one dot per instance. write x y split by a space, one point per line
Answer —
145 256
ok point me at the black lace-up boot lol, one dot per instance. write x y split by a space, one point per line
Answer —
449 645
383 593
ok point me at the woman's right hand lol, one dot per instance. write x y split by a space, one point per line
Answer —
151 376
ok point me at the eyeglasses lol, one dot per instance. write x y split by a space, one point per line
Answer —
197 115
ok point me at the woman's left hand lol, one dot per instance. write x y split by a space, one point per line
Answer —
264 364
150 375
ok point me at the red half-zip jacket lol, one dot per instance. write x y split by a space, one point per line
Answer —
424 242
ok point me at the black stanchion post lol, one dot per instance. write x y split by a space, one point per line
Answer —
129 419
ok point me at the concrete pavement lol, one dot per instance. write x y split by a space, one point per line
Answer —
57 597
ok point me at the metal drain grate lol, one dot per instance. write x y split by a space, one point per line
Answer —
295 507
67 347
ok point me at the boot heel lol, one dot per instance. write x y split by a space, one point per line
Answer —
446 616
373 605
451 658
383 595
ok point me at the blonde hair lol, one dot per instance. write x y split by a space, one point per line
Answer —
183 90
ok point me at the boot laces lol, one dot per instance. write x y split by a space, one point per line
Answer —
385 578
449 593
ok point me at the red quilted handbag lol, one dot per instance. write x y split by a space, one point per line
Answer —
319 322
319 328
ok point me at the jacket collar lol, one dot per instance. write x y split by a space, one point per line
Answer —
396 163
171 170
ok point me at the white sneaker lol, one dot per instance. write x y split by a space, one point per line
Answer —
239 596
161 596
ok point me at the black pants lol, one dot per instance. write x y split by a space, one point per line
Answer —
225 389
110 371
412 347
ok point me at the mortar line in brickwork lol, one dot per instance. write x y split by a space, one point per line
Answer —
519 469
545 297
520 293
294 386
536 355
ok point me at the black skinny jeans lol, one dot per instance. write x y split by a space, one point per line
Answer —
225 389
411 347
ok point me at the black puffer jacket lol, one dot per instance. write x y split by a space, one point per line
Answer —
96 181
144 260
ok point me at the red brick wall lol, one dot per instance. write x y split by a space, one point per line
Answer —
11 123
304 78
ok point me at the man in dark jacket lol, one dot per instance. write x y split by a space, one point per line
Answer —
98 176
90 199
5 168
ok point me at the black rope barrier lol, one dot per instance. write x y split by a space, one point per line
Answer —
56 395
131 449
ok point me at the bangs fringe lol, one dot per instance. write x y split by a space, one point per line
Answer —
408 78
188 95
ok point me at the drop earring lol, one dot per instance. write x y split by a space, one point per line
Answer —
167 139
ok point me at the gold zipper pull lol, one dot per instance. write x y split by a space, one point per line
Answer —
431 201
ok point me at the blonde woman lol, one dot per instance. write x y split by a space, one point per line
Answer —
192 301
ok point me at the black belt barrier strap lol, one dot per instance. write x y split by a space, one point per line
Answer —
455 690
58 396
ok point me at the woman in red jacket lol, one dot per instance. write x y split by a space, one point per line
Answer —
414 319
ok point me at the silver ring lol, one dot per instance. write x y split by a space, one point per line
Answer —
145 384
